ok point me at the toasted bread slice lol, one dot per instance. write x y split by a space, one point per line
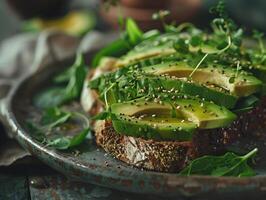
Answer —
171 156
165 156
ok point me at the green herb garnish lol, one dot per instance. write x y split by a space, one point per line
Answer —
60 129
229 164
128 39
73 79
63 142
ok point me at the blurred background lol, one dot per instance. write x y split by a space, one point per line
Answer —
79 16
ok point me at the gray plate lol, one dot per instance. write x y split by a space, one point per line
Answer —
90 166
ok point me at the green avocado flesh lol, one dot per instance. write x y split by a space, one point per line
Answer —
128 88
216 77
177 119
164 128
159 46
168 87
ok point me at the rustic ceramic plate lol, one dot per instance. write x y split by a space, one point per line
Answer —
93 165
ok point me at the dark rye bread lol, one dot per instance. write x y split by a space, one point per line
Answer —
171 156
165 156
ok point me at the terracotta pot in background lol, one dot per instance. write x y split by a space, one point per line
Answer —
38 8
142 10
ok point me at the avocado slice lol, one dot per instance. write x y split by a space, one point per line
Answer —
244 84
177 119
75 23
159 128
128 88
160 45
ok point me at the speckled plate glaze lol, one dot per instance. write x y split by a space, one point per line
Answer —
93 165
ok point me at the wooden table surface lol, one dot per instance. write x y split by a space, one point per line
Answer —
36 181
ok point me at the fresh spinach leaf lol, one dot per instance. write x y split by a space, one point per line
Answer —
78 75
246 104
116 48
229 164
78 139
54 116
64 77
50 97
63 142
53 128
133 32
58 95
131 37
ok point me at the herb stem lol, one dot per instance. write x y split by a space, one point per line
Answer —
105 96
251 153
195 69
237 68
86 120
183 26
227 46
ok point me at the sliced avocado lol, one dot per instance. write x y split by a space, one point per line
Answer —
244 84
164 128
160 45
205 114
165 86
177 119
74 23
209 94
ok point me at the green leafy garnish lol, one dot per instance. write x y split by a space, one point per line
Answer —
64 76
50 97
60 129
161 15
133 31
63 142
198 65
115 48
57 95
246 104
229 164
54 116
131 37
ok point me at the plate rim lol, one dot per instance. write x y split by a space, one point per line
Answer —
173 184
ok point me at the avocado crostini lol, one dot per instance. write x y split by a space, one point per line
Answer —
171 97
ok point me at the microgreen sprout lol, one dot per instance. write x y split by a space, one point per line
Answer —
183 26
232 79
161 16
198 65
105 96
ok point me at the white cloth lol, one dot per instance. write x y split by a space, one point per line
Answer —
29 52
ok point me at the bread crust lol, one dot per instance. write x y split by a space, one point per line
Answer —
164 156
